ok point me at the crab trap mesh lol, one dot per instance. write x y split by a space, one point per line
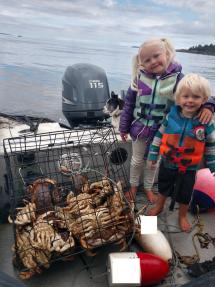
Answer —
67 195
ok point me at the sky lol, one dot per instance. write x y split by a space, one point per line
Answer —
125 22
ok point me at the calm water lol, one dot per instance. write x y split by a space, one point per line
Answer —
31 71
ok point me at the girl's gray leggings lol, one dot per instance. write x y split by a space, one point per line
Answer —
139 170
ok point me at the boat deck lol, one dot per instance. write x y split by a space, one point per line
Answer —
91 271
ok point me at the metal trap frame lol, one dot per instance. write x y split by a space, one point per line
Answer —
67 195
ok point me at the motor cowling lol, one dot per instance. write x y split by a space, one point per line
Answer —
85 92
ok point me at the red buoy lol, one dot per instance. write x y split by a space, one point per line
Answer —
153 268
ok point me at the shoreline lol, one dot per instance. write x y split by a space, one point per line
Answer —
195 52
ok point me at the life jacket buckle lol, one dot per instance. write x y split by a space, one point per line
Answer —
175 159
180 149
182 169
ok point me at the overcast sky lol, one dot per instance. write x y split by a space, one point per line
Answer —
127 22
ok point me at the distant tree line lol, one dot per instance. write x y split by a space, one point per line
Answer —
206 48
200 49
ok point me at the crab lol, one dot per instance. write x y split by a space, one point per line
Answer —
96 186
25 215
85 224
94 217
44 236
31 258
103 236
36 242
44 193
80 204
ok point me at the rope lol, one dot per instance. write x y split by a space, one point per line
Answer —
204 240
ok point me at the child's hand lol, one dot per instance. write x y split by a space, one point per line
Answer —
205 116
124 137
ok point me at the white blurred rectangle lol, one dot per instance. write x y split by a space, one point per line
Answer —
148 224
124 269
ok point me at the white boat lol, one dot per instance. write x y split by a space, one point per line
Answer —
97 152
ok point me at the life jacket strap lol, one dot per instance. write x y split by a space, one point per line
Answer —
182 163
150 117
181 149
182 169
152 106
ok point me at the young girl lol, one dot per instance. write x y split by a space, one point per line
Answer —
146 104
183 141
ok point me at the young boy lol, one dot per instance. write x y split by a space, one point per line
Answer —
182 142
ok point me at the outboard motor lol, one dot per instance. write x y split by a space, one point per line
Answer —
85 92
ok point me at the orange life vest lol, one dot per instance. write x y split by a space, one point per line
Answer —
189 154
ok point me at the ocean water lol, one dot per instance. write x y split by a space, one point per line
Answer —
31 71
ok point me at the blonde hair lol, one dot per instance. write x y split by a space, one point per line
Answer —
197 84
137 65
163 43
135 72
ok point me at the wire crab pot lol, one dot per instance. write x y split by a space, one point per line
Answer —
67 195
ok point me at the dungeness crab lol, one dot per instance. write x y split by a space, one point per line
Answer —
44 193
